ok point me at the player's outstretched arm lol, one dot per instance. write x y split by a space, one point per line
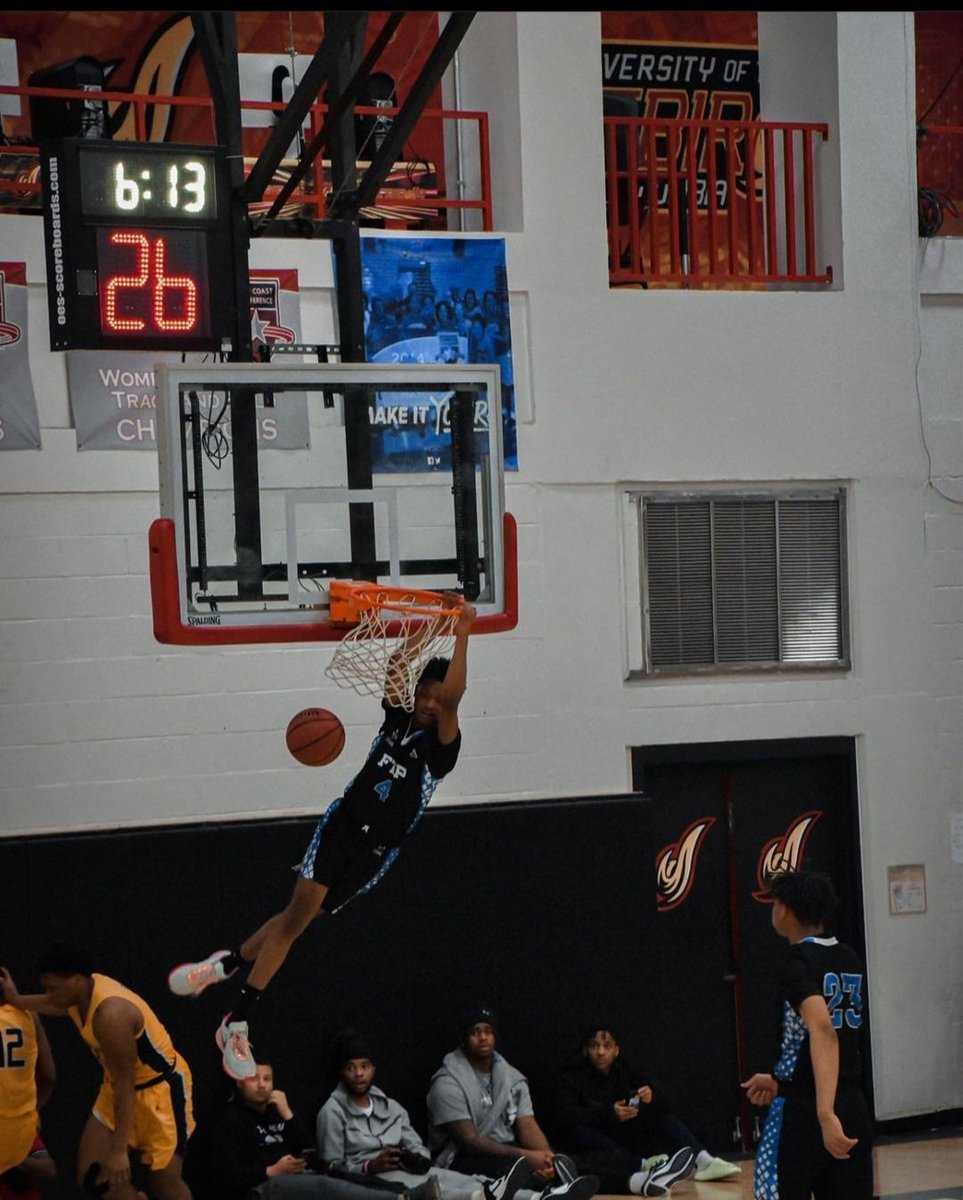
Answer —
38 1002
456 677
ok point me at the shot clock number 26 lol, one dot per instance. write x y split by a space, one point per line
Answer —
152 282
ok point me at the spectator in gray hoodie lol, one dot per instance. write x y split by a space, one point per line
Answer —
362 1131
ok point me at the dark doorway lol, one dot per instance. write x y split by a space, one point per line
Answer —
721 815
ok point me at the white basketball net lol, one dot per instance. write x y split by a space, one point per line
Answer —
373 664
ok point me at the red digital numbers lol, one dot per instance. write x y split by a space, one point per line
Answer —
152 285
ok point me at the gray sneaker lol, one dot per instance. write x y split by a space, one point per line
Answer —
191 978
236 1056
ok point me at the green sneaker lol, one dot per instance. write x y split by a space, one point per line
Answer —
717 1169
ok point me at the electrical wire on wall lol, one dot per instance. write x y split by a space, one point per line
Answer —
933 206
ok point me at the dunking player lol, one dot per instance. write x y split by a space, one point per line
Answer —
357 838
814 1094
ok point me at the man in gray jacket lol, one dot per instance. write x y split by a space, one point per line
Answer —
362 1131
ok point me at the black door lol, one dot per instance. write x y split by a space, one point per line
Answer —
723 815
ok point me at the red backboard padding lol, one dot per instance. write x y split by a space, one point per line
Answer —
171 630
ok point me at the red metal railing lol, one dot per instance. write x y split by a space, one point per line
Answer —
412 195
712 203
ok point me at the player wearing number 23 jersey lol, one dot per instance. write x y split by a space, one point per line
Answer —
794 1159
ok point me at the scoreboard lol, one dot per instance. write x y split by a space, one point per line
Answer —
138 245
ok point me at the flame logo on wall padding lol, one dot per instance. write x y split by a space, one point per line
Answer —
675 865
784 853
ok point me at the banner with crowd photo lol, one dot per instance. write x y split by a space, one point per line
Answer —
434 300
113 394
686 65
19 423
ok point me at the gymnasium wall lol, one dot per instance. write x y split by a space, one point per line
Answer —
102 729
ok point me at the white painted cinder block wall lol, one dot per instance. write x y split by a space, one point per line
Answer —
100 726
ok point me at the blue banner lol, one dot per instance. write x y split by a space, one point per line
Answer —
434 300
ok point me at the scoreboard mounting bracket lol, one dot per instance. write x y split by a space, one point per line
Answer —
138 245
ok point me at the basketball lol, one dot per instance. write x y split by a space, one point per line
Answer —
315 737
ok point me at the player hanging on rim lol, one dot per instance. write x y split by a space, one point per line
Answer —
358 836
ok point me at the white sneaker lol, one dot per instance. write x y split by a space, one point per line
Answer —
236 1056
717 1169
191 978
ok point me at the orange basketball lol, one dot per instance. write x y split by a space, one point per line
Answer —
315 737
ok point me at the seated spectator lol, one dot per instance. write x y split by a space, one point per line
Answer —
604 1103
361 1131
480 1112
261 1149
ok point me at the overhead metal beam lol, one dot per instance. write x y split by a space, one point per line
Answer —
336 110
208 29
339 28
216 35
392 147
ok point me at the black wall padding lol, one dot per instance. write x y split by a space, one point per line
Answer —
546 910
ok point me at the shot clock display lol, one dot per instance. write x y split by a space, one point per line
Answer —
138 246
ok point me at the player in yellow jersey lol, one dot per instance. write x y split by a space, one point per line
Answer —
144 1103
27 1078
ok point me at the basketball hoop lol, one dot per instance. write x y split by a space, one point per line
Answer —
394 632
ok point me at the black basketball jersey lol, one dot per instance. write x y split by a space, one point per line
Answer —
820 966
399 775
